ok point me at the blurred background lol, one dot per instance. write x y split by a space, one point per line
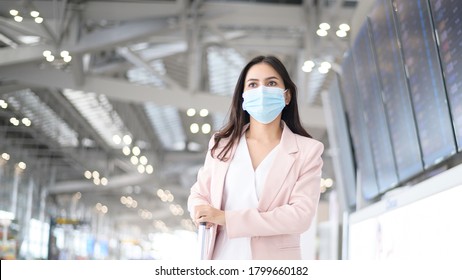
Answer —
107 106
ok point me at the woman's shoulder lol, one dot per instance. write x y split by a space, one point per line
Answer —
305 142
215 138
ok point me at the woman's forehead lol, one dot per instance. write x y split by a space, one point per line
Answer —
262 71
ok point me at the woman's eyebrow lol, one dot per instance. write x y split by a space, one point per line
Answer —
269 78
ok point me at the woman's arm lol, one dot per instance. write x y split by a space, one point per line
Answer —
200 191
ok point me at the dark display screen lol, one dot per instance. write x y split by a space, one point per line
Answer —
447 16
361 147
395 92
425 80
373 111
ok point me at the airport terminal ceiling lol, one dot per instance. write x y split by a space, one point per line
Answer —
111 99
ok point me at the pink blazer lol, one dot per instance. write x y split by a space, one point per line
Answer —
287 204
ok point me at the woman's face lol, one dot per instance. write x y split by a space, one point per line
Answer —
262 74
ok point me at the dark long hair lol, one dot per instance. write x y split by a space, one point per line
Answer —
238 117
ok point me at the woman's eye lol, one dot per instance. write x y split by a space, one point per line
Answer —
252 85
272 83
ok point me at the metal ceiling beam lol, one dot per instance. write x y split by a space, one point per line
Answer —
125 91
98 40
114 182
136 60
252 14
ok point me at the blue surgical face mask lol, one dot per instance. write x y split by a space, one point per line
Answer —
264 104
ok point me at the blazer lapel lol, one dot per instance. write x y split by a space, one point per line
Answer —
280 168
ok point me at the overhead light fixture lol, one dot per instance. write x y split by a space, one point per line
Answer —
345 27
34 14
324 26
59 61
5 156
22 165
204 112
3 104
308 66
341 33
194 128
191 112
321 32
206 128
14 12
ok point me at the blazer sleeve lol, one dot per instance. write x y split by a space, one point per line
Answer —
293 217
200 191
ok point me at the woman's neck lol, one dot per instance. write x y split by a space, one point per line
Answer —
264 132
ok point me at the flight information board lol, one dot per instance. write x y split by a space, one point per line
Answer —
447 16
425 80
361 147
395 92
373 110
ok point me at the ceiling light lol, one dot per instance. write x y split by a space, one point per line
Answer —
141 168
6 156
22 165
50 58
134 160
38 19
34 14
95 174
323 70
341 33
321 32
87 174
96 181
14 121
206 128
309 63
127 139
116 139
149 169
191 112
46 53
18 18
194 128
126 150
143 160
326 65
14 12
307 69
328 182
345 27
78 195
3 104
26 122
324 26
64 53
136 151
204 112
104 181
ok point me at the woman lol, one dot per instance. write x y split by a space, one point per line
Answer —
260 184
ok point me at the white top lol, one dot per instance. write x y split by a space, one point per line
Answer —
242 190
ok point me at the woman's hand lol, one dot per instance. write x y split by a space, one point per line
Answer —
210 215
